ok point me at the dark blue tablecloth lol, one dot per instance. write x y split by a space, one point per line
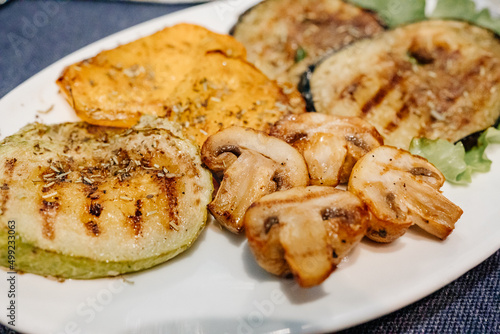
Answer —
34 34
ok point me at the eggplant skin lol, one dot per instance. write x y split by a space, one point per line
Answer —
304 87
433 79
470 141
284 37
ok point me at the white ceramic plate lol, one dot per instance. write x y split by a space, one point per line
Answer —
216 287
168 1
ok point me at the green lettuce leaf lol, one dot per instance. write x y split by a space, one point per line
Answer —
395 12
466 10
484 19
455 9
452 160
449 158
476 158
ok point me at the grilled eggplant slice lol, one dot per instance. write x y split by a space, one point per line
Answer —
284 37
185 73
90 201
433 79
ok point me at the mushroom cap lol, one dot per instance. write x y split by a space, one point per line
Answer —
221 149
252 164
331 145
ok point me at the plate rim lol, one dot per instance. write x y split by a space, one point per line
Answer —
487 249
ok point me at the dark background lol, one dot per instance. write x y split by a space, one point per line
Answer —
34 34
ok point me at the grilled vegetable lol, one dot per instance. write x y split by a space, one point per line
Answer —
433 79
284 37
331 145
305 231
251 164
402 189
185 73
89 201
221 92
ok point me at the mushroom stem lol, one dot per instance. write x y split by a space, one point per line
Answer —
245 181
252 164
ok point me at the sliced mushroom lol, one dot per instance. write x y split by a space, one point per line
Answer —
249 178
331 145
252 165
305 231
400 190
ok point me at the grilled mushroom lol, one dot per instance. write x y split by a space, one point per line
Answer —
400 190
305 231
331 145
252 164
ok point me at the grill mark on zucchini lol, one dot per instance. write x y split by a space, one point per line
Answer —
5 190
92 228
136 220
48 211
95 209
169 187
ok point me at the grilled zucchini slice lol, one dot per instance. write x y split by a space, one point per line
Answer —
433 79
284 37
89 201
